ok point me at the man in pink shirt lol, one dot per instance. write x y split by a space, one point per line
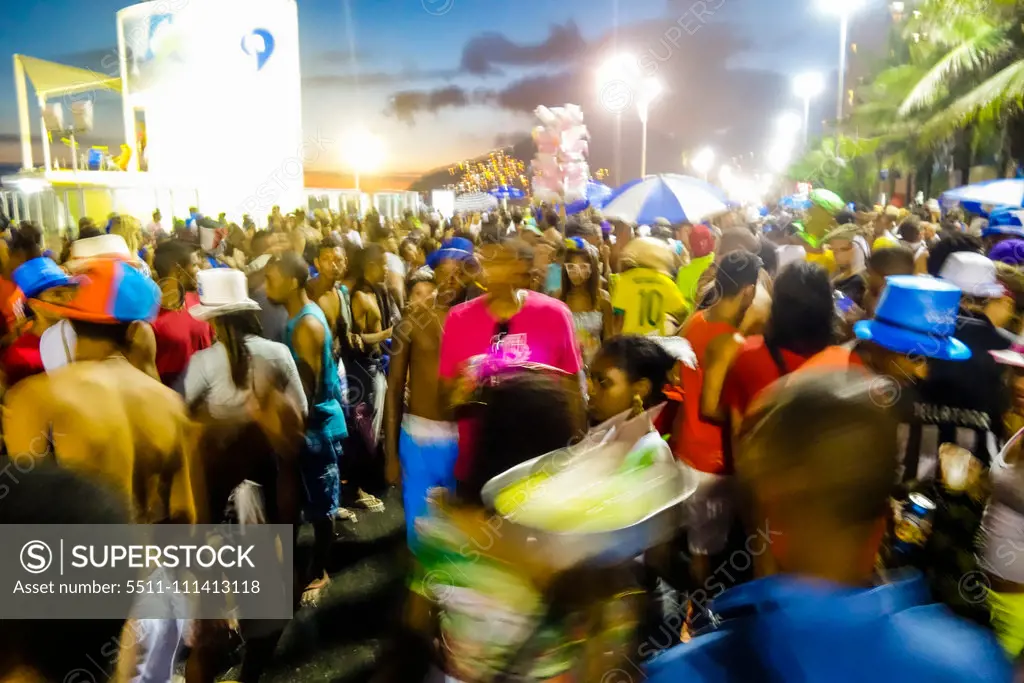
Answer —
510 324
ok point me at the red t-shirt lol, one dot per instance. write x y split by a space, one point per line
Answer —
178 336
834 358
752 371
698 442
22 359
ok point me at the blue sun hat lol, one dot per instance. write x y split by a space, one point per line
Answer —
916 315
457 249
37 275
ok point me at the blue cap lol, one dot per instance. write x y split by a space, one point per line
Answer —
38 275
456 249
916 315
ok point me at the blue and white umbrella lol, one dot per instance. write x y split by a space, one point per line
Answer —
506 192
982 198
1005 221
475 202
597 194
676 198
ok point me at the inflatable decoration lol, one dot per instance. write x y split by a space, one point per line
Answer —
560 169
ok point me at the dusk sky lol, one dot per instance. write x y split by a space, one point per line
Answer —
442 80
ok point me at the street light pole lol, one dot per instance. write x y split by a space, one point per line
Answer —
643 141
844 27
618 149
807 121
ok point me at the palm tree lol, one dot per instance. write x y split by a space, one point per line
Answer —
975 53
850 174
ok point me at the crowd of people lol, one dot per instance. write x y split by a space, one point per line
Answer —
845 388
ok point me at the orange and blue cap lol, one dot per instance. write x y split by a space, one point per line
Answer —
109 291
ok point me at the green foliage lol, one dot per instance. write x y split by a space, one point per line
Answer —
953 82
851 174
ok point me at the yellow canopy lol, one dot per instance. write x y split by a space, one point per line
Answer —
51 78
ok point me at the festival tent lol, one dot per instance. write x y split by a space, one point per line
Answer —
506 192
982 198
676 198
472 202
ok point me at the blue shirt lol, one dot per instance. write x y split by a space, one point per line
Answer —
781 628
325 415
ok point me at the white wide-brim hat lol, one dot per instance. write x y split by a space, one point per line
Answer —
222 291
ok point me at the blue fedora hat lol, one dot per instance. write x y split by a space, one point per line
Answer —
916 315
38 275
1005 221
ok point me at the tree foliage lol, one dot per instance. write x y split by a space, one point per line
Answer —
951 89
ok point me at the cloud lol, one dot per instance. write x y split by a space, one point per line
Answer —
483 54
374 78
407 104
509 139
521 96
527 94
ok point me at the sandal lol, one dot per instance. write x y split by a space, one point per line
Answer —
314 591
368 502
345 515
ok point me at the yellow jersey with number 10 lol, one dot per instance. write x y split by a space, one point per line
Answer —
645 298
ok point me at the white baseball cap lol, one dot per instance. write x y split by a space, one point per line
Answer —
973 273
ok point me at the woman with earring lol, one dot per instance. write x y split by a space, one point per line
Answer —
591 306
628 373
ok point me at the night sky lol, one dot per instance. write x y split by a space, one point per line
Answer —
442 80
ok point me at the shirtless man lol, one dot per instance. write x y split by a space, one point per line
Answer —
330 294
102 416
421 446
308 336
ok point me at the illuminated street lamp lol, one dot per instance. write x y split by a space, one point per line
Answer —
614 80
788 124
650 89
362 151
844 8
622 85
807 86
703 161
779 156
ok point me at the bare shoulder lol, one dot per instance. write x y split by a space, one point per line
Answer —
309 332
726 341
150 390
328 302
424 313
362 298
34 388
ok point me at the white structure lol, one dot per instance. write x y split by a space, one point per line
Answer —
218 86
212 116
211 97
